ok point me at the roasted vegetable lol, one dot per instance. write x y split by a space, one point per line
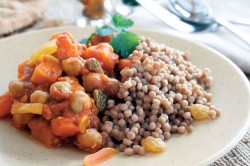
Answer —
84 123
20 108
48 48
64 127
42 132
123 63
103 52
66 48
100 156
48 71
5 104
57 34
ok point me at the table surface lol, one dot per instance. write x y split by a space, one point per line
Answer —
65 10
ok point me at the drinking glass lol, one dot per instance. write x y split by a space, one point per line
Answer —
92 12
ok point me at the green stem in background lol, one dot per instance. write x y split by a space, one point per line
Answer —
130 2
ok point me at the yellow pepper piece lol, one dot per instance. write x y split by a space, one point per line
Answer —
50 57
20 108
47 48
84 123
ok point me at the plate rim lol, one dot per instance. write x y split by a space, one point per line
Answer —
246 126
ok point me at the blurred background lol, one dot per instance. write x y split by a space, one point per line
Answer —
17 16
23 15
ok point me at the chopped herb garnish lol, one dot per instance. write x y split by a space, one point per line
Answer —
86 40
83 41
105 30
123 41
120 21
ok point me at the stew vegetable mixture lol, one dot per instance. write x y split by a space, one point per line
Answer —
102 93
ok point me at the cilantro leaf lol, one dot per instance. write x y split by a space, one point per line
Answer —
120 21
105 30
83 41
124 43
86 41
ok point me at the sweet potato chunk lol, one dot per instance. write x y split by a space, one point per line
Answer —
103 52
64 127
66 48
42 132
48 71
5 104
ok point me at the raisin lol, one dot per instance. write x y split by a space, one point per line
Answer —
199 111
153 144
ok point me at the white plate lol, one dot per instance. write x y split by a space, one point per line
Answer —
209 140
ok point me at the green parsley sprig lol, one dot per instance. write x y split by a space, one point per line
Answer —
124 41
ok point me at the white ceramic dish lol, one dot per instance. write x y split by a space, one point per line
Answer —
209 141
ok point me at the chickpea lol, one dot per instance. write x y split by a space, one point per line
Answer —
17 89
112 87
21 120
39 97
73 66
80 101
60 90
92 81
90 140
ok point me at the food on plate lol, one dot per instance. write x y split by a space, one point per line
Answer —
5 104
159 95
103 94
99 156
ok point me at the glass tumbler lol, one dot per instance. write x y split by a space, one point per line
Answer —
93 12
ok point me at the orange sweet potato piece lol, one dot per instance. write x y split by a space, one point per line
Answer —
123 63
66 48
99 156
103 52
20 68
55 35
64 127
100 39
5 104
42 132
48 71
25 71
81 48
